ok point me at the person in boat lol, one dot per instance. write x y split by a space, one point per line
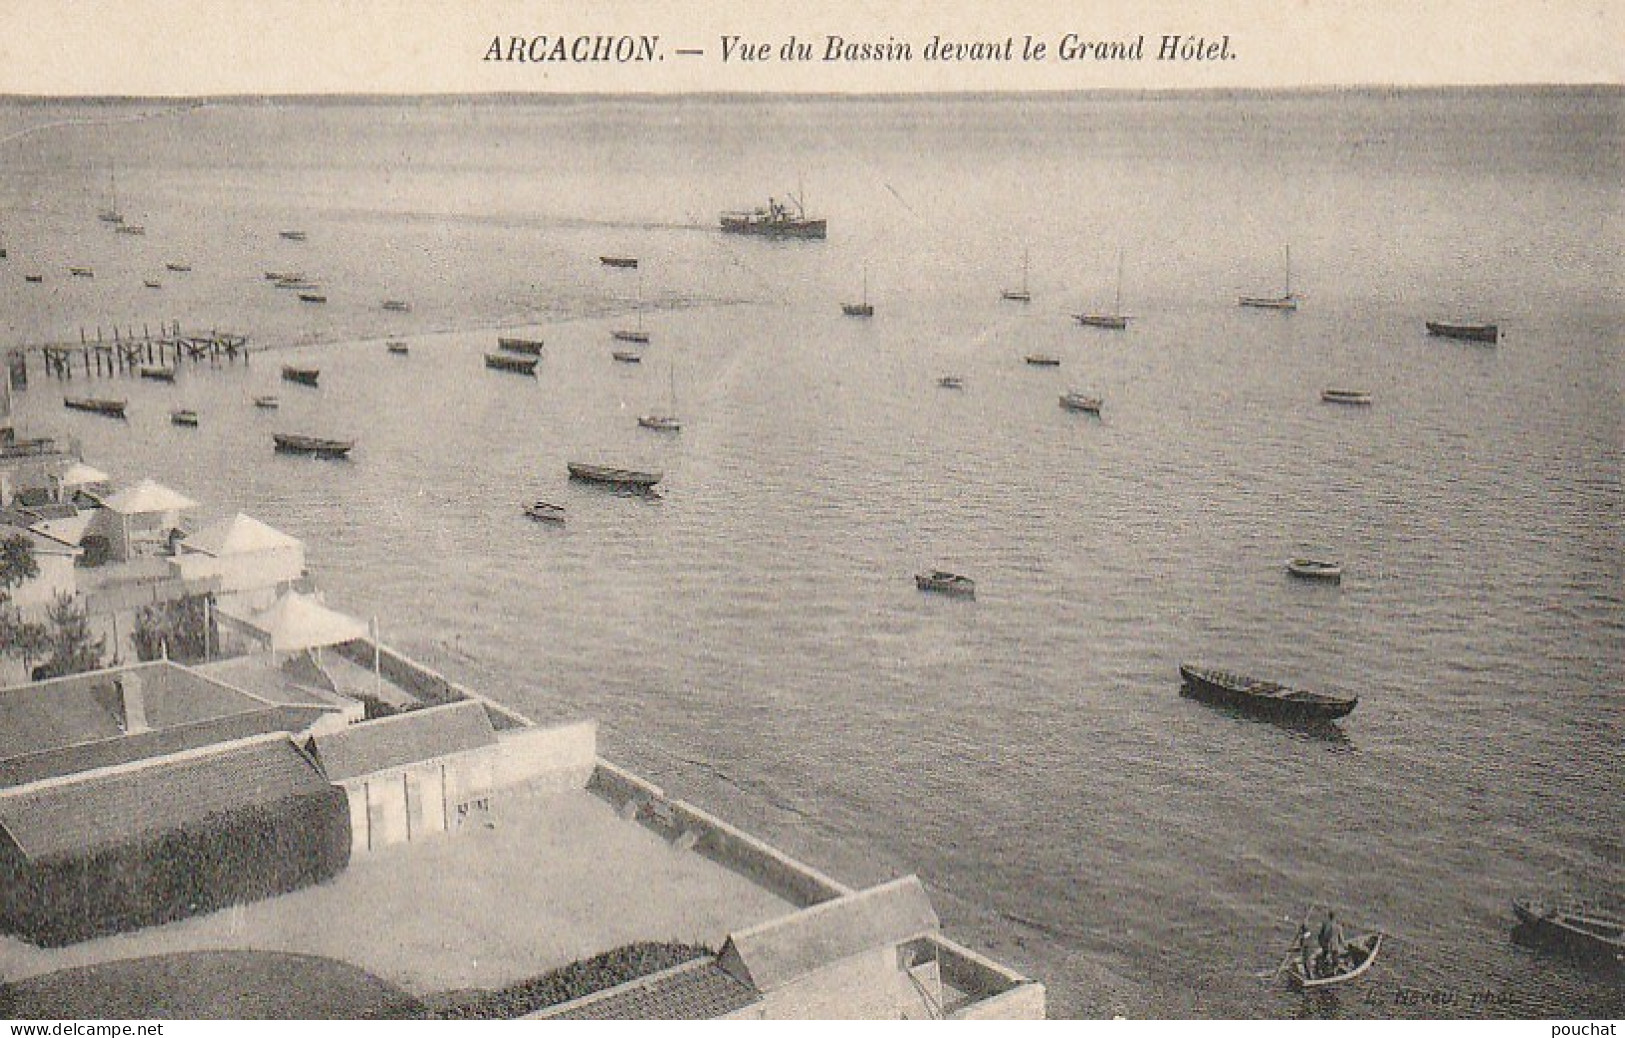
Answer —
1331 944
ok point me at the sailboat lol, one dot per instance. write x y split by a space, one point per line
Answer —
637 335
667 422
1019 295
1115 320
1285 301
111 214
863 309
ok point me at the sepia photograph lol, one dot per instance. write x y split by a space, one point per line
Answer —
900 511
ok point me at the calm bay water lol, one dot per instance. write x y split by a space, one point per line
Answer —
754 639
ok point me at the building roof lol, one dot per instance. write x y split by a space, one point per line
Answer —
83 708
239 535
42 543
391 742
147 497
65 816
779 951
158 742
699 990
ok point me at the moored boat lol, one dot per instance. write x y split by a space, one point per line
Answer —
1116 320
1265 698
951 382
510 362
1470 332
149 283
303 376
624 262
34 279
130 228
775 221
943 582
316 446
660 422
268 403
613 476
179 268
1345 396
544 512
1042 360
1074 400
157 372
399 306
95 405
636 335
283 275
400 349
627 356
1316 569
1580 928
292 235
1285 301
860 309
81 272
184 417
1359 953
533 347
312 297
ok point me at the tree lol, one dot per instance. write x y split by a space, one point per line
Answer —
17 566
176 628
68 641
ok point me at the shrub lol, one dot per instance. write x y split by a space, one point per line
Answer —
568 983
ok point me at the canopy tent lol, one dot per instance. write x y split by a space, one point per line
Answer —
145 498
298 622
239 535
81 475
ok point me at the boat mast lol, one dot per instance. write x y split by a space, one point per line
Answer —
1288 272
1117 306
1024 258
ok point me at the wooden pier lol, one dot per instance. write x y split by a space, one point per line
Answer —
126 352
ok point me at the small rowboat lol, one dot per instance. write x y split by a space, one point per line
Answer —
1072 400
149 283
110 408
1358 955
858 309
81 272
1585 930
269 403
627 356
292 235
613 476
156 372
1315 569
283 275
509 362
1264 698
399 306
946 583
312 297
1042 360
660 422
183 417
951 382
1345 396
33 279
400 349
625 262
629 335
1470 332
316 446
303 376
543 512
179 268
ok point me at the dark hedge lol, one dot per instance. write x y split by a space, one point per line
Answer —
576 980
224 859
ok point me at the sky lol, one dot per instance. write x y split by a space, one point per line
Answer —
214 47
